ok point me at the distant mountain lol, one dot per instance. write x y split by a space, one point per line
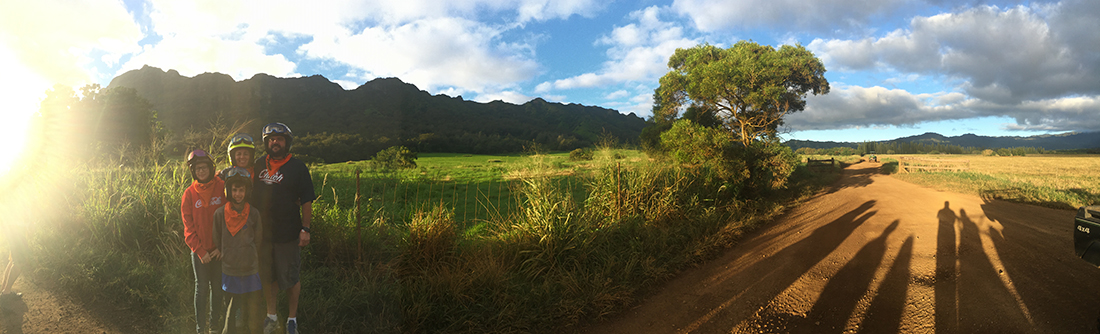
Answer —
1064 141
382 110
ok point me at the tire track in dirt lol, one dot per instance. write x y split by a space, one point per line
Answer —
878 255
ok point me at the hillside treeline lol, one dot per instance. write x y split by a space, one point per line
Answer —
336 125
900 147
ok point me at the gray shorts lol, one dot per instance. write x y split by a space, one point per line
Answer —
286 263
267 275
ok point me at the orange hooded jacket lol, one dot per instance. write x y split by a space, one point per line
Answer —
198 215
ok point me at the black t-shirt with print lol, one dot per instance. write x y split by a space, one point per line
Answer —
279 197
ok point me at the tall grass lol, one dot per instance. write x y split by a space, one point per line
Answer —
576 243
121 240
552 263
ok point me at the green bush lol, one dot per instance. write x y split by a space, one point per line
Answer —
580 154
394 157
713 149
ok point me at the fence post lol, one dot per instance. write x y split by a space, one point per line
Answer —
618 192
358 218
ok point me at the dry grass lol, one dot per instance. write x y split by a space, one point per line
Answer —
1063 181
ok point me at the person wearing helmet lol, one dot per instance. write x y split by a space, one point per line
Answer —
200 200
238 233
241 152
284 195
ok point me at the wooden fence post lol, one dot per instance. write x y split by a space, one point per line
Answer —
358 218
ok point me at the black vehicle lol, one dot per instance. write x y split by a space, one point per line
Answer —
1086 234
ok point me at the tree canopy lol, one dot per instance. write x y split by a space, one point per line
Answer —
748 87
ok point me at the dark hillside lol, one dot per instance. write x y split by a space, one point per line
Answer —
377 114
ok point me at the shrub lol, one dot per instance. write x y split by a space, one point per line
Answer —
580 154
395 157
714 149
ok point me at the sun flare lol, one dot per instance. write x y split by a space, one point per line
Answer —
21 92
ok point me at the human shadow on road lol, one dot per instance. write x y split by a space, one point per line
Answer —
11 317
766 278
884 314
1058 290
844 290
945 289
971 297
980 288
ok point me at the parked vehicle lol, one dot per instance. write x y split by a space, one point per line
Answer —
1086 234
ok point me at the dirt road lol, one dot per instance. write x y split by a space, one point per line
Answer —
42 311
878 255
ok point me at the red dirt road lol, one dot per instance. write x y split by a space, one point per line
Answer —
878 255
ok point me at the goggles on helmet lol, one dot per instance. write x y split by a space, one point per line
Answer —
238 172
276 129
241 140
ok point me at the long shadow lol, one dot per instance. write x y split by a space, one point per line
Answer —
854 178
946 289
841 295
763 280
884 314
981 292
1059 290
12 317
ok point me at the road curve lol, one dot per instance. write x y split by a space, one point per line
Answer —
878 255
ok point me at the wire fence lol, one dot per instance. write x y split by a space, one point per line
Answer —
399 200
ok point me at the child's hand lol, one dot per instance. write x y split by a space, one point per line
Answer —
215 255
206 258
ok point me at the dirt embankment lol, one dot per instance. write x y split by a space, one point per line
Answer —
877 255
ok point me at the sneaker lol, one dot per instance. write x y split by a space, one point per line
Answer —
269 325
291 327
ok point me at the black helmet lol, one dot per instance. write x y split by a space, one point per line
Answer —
237 175
278 129
196 157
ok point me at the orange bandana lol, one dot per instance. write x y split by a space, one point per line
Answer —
205 190
234 221
274 165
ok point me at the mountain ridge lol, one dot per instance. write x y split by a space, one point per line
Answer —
1060 141
381 110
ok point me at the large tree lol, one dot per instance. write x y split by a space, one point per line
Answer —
749 87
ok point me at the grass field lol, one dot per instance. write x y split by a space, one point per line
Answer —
462 243
1058 181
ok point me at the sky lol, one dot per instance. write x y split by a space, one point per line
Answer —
896 67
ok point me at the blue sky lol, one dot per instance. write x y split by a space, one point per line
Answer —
896 67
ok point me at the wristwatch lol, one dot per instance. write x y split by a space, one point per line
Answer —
305 229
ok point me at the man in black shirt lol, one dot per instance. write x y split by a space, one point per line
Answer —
284 195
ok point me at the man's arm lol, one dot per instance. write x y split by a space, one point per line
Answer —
307 217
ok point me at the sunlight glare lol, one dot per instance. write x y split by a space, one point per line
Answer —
21 92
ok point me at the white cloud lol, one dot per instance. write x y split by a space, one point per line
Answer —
616 95
193 55
432 54
854 106
716 15
637 52
56 39
1038 64
347 84
1002 55
506 96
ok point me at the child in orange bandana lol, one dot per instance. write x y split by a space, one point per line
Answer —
239 235
197 207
